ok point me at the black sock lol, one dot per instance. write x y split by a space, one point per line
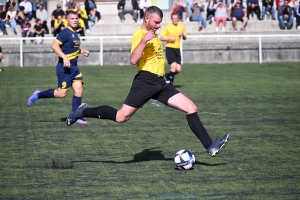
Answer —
101 112
172 76
199 130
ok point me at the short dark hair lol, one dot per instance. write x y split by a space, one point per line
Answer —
154 10
174 13
70 12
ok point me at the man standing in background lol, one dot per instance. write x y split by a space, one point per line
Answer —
172 34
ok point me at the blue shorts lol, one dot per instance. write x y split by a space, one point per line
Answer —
66 76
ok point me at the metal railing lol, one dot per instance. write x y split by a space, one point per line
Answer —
102 38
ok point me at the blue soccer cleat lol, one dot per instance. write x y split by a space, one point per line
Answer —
33 98
76 115
217 145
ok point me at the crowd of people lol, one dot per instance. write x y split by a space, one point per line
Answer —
218 11
23 15
222 11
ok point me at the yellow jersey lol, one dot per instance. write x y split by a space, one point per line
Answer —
171 30
153 58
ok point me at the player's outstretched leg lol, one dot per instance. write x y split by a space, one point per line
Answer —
33 98
217 145
77 114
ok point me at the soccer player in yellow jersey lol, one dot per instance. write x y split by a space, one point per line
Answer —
172 34
147 53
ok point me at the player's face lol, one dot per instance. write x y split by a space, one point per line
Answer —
175 19
152 22
72 20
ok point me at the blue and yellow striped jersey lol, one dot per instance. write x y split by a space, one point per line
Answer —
70 44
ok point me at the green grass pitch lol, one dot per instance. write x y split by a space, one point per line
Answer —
258 105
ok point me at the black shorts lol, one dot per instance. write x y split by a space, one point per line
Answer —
148 86
173 55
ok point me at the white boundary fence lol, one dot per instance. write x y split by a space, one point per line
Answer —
101 38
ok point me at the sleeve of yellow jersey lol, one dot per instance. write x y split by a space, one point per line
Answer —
164 32
135 41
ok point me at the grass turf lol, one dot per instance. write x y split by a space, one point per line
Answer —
258 105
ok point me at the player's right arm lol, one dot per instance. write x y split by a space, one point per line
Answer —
138 51
56 48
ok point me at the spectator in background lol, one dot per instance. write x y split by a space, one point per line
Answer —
297 15
21 15
9 3
197 8
253 7
42 15
83 17
2 21
268 6
80 28
128 7
239 13
38 29
11 18
92 19
280 3
220 15
70 5
295 4
210 11
59 24
188 5
179 8
57 12
143 5
27 9
26 30
35 7
90 5
285 13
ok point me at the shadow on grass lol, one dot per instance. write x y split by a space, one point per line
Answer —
146 155
177 86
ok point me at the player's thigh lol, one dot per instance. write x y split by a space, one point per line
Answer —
183 103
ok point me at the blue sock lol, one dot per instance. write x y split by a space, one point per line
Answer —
46 94
76 101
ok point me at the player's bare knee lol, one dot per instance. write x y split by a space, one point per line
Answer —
192 108
60 93
122 119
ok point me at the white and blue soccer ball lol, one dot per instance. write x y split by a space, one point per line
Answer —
184 159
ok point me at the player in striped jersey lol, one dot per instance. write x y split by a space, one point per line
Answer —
67 48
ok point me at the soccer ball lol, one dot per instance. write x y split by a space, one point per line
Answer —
184 159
